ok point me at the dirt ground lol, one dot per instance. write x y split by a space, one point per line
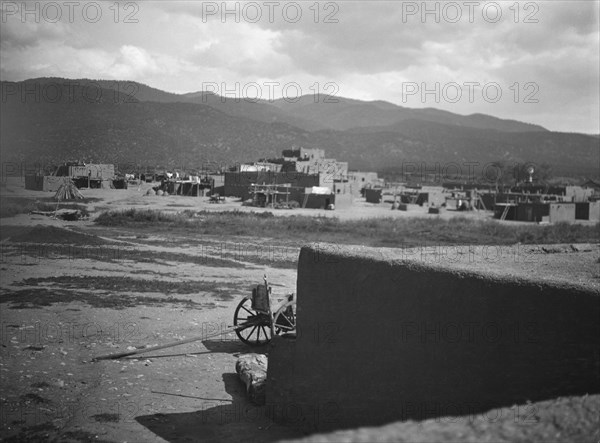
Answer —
71 291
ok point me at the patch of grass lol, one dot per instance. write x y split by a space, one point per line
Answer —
38 244
127 284
134 215
114 290
33 298
158 274
9 207
274 257
559 233
49 235
113 255
389 231
165 256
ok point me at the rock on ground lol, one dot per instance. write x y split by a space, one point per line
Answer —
252 369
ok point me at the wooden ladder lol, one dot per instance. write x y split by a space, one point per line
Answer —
305 201
504 213
479 200
482 203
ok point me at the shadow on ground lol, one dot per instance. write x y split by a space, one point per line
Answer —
236 420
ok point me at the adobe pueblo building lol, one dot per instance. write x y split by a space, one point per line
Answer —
84 175
301 175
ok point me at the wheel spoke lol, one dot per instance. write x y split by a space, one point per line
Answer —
290 321
251 332
247 310
265 333
245 325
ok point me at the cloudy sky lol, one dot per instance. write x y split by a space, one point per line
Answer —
531 61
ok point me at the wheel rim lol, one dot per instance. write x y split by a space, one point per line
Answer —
284 320
257 331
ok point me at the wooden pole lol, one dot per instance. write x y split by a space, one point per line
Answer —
172 344
154 348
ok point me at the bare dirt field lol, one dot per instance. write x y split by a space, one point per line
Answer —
71 291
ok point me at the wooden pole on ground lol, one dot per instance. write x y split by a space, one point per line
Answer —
172 344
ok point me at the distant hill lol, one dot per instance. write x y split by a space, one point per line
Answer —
343 113
134 92
424 141
106 122
261 111
309 112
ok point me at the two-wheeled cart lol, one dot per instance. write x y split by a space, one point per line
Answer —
255 321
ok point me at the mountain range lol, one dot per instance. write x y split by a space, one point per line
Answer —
51 120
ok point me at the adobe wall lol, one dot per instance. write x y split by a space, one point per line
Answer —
562 212
343 200
34 182
594 214
383 337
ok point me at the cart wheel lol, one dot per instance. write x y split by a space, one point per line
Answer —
284 320
257 330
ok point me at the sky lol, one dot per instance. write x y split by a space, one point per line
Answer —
536 62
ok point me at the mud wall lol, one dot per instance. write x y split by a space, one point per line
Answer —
562 212
34 182
594 214
343 200
382 339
